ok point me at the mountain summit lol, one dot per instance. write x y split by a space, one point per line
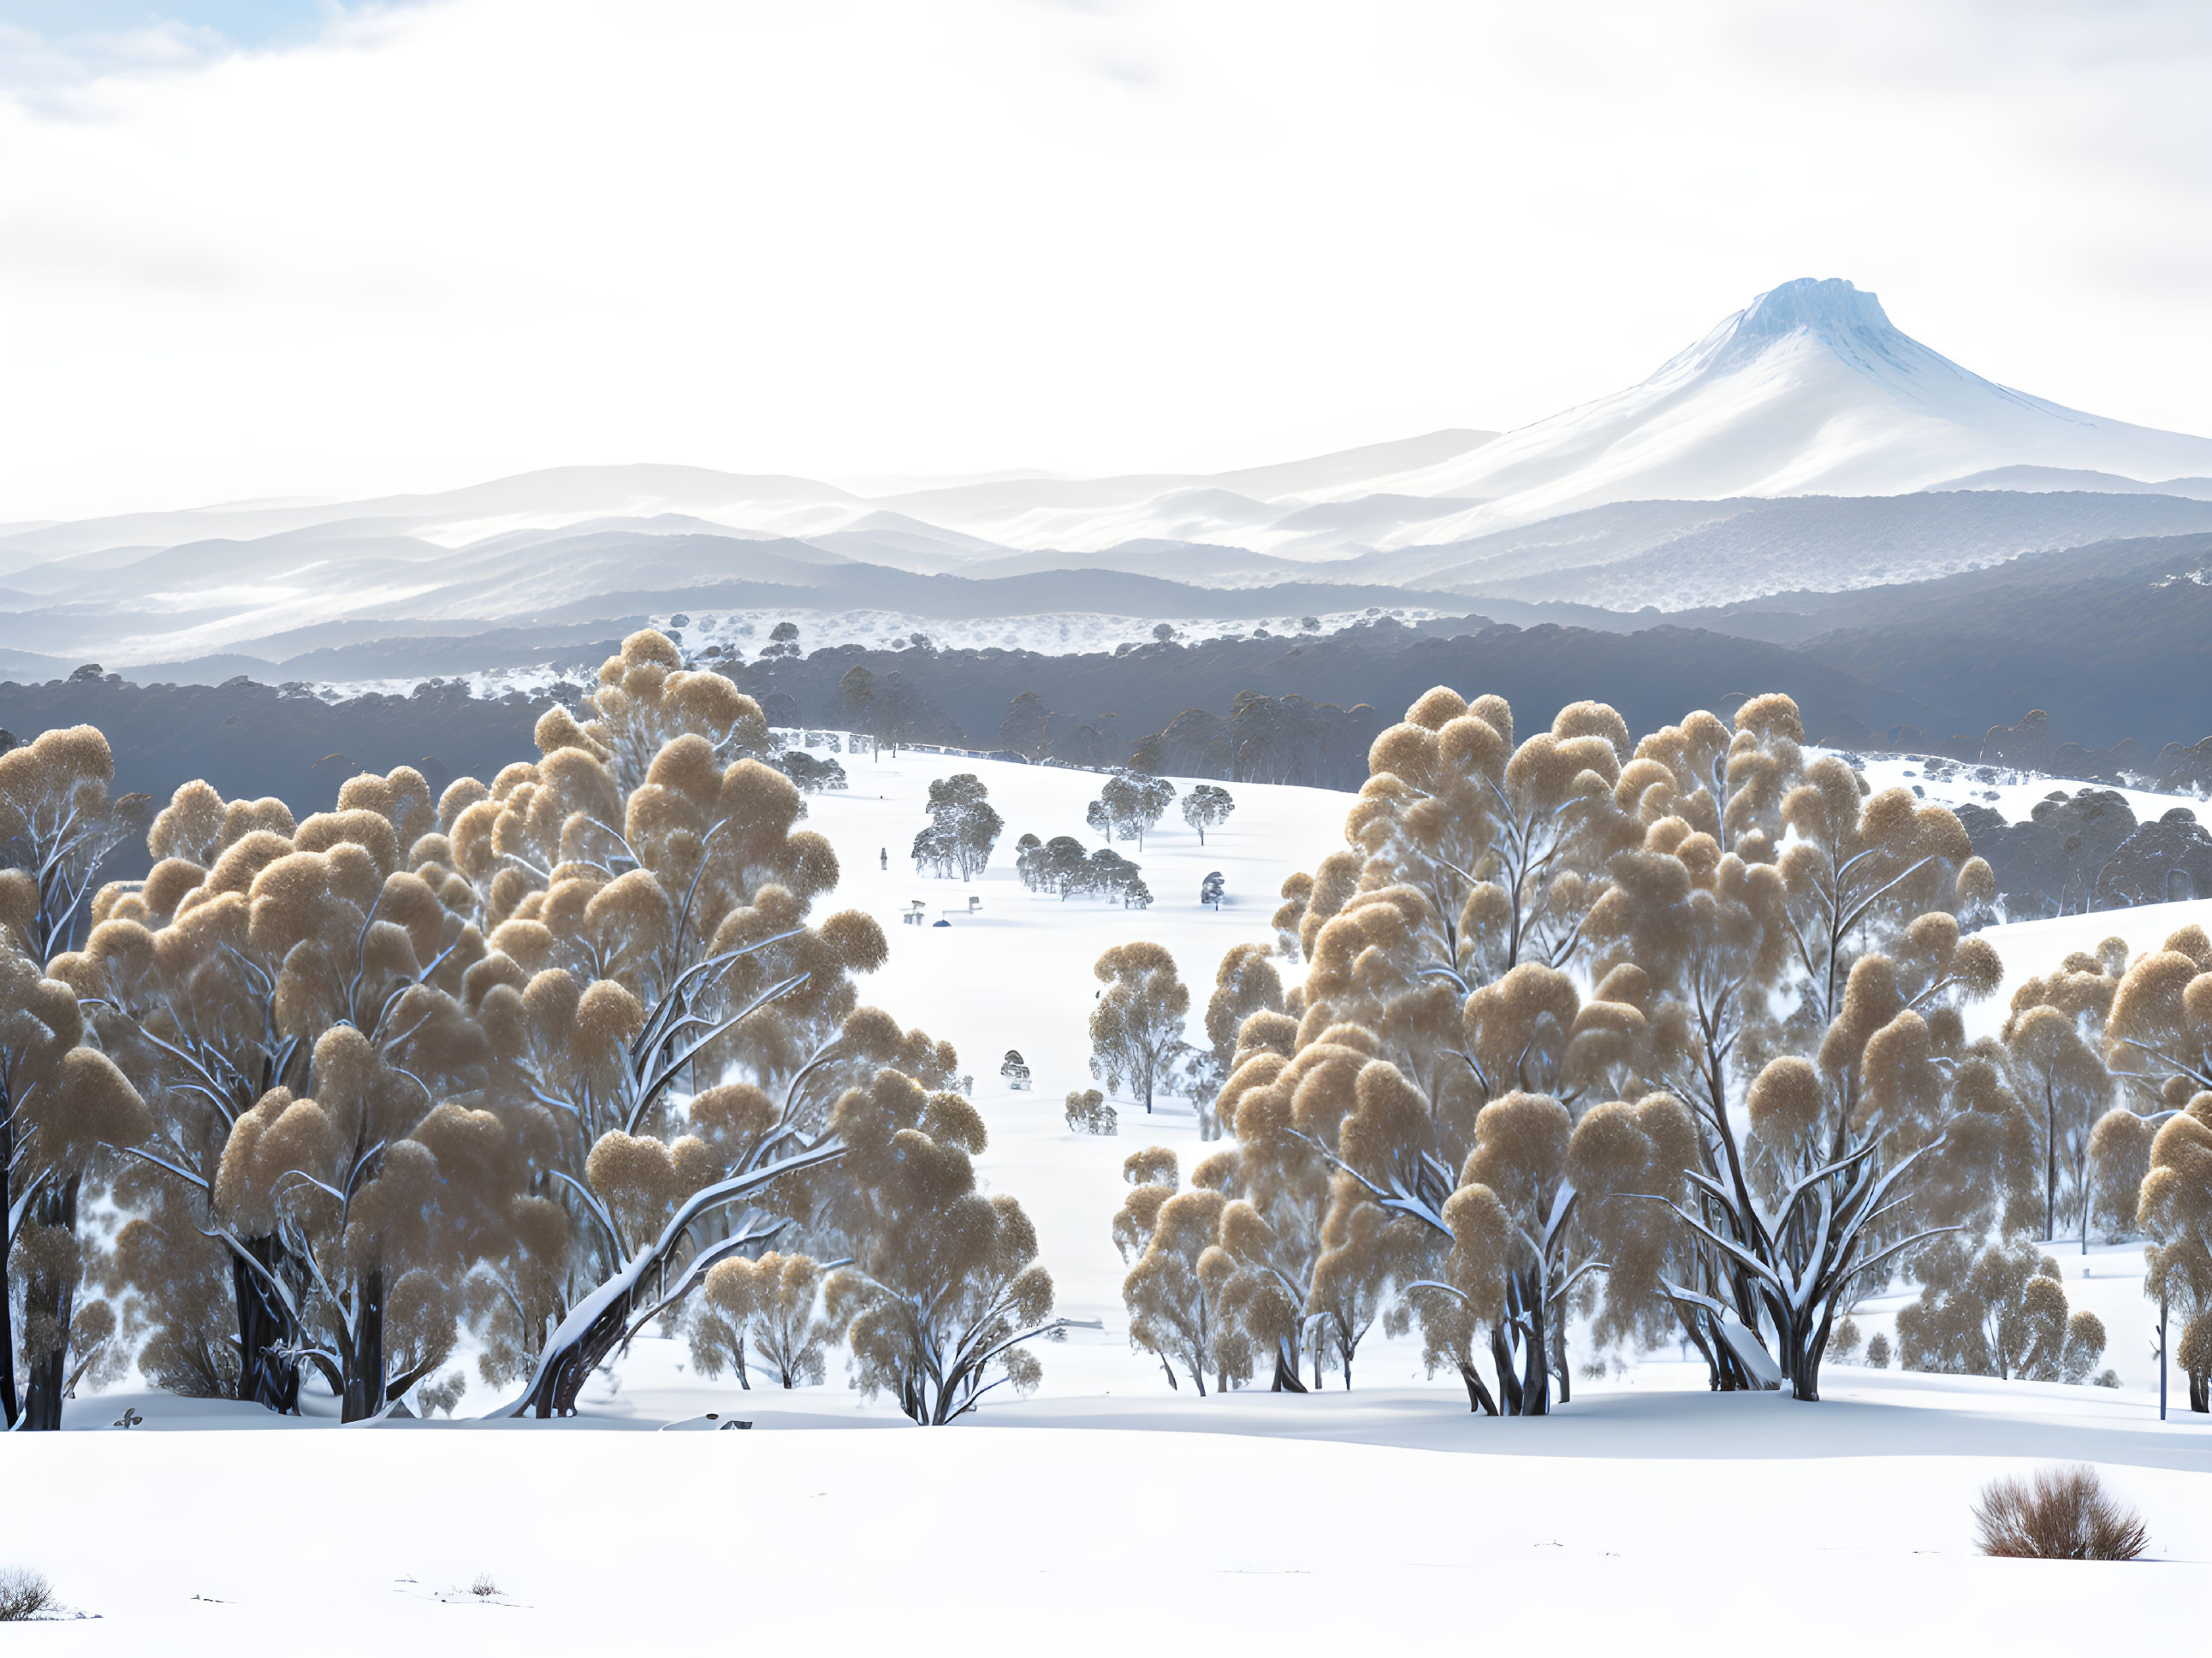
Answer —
1809 390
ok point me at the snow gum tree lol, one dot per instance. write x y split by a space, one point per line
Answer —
2061 1075
774 1303
1244 984
2175 1213
1208 806
1999 1311
946 1292
1129 805
64 1106
963 828
1137 1024
538 1054
1177 1287
212 983
1701 989
57 827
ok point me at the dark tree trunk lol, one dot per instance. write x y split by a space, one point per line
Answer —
364 1380
10 1405
55 1299
1478 1395
1536 1381
1509 1384
264 1377
1286 1379
2200 1393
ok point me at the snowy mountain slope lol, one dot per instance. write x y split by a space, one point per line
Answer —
1680 556
1792 447
1809 390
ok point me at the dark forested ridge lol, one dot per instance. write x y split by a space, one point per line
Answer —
2112 640
251 740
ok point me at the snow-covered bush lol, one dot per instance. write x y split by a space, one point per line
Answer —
1088 1112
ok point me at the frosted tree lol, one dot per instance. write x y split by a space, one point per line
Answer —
1763 946
1129 805
57 827
1153 1177
62 1106
1173 1291
946 1293
1206 806
1999 1311
2119 1158
1244 984
2159 1033
1847 1093
774 1304
211 985
535 1054
963 829
1137 1023
2064 1080
2175 1213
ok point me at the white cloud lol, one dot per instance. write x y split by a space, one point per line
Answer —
866 235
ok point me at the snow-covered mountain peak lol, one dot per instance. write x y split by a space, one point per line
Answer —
1809 390
1829 306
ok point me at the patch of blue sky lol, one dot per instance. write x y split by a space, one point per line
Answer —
241 22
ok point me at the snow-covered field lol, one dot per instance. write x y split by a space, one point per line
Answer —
2010 793
1124 1514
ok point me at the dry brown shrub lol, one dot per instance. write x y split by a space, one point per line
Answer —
23 1594
2057 1514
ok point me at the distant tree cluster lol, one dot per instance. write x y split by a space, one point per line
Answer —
813 776
1061 866
546 1058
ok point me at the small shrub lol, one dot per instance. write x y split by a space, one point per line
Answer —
1844 1341
1878 1351
442 1394
23 1593
483 1589
1088 1113
2058 1514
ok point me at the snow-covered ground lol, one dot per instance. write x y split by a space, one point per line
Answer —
2005 790
1124 1514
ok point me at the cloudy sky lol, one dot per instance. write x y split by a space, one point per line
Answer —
255 248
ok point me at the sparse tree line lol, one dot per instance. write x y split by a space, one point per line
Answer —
1661 1039
546 1058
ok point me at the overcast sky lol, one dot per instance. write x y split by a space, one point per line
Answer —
275 248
